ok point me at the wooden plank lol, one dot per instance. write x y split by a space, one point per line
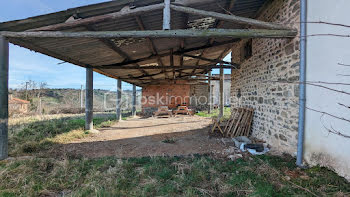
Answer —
208 60
218 25
229 122
250 122
166 80
150 41
188 33
229 130
234 131
162 67
230 18
240 130
180 52
166 15
101 18
110 44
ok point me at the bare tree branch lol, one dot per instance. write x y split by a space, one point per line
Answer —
312 84
331 89
328 23
332 130
340 64
334 35
328 114
329 83
344 105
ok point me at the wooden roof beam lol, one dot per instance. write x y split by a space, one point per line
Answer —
101 18
180 79
110 44
231 18
218 24
175 53
183 40
180 33
151 43
163 67
207 60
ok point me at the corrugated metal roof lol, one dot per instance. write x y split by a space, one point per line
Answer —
96 52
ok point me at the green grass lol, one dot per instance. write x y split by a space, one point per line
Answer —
215 113
166 176
169 141
41 135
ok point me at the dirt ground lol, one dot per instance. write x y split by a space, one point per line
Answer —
138 137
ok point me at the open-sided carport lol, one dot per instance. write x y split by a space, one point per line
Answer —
141 42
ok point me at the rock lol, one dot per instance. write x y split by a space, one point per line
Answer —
237 143
235 157
230 150
227 142
243 139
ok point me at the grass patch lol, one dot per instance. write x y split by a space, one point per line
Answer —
166 176
215 113
169 141
41 135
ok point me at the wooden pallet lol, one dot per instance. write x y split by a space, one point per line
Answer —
239 123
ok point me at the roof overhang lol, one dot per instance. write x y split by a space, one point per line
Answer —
124 39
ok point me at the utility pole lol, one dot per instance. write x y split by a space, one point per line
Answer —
40 107
27 90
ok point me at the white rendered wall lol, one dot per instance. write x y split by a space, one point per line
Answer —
323 55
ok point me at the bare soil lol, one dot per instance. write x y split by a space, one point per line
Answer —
138 137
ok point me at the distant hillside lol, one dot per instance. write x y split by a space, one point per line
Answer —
55 101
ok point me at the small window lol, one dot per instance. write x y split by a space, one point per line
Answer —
247 50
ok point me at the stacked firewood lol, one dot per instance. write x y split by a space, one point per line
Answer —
239 123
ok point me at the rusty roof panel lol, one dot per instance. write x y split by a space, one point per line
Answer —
97 52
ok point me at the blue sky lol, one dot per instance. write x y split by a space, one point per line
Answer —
27 65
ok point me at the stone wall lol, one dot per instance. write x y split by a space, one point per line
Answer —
216 90
268 80
199 97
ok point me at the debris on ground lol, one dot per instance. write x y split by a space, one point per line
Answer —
242 146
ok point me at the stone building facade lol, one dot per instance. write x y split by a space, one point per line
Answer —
215 85
268 79
17 106
199 97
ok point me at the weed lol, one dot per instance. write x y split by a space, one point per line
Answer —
42 135
215 113
164 176
169 141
